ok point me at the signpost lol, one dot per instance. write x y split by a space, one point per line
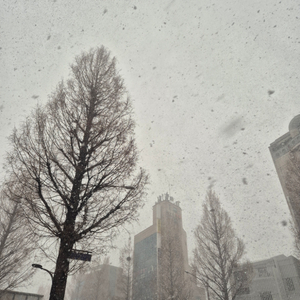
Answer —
81 255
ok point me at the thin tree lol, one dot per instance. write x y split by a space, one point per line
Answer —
16 244
126 263
75 161
218 251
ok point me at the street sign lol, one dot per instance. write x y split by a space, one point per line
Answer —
81 255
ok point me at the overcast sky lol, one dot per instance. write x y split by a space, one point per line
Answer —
213 83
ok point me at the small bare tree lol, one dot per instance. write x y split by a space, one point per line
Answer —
16 243
75 162
126 263
218 251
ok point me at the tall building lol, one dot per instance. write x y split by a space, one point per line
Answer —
281 150
276 278
160 256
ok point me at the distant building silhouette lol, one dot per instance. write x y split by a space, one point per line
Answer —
280 150
155 250
100 284
276 278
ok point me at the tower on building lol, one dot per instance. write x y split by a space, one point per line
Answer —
281 150
160 256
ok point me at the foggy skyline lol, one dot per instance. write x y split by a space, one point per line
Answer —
213 85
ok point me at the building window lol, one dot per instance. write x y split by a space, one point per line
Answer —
262 272
240 276
266 296
289 284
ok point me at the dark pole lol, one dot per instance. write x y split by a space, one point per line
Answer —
37 266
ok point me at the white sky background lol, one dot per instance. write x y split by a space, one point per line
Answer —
198 72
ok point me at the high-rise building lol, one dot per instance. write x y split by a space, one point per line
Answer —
271 279
160 256
281 150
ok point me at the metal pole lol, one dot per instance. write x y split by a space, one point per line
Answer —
128 282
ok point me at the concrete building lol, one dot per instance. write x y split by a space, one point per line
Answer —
277 278
157 250
13 295
102 283
281 150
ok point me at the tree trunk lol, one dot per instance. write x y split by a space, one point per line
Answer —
61 271
62 263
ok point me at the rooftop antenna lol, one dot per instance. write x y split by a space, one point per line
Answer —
167 180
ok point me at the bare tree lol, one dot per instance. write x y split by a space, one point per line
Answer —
16 244
173 284
75 161
126 263
218 251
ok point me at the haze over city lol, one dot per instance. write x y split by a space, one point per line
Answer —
212 84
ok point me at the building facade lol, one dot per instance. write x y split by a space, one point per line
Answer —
281 150
160 256
13 295
277 278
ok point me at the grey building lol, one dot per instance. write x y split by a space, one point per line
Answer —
13 295
276 278
103 283
280 150
158 247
